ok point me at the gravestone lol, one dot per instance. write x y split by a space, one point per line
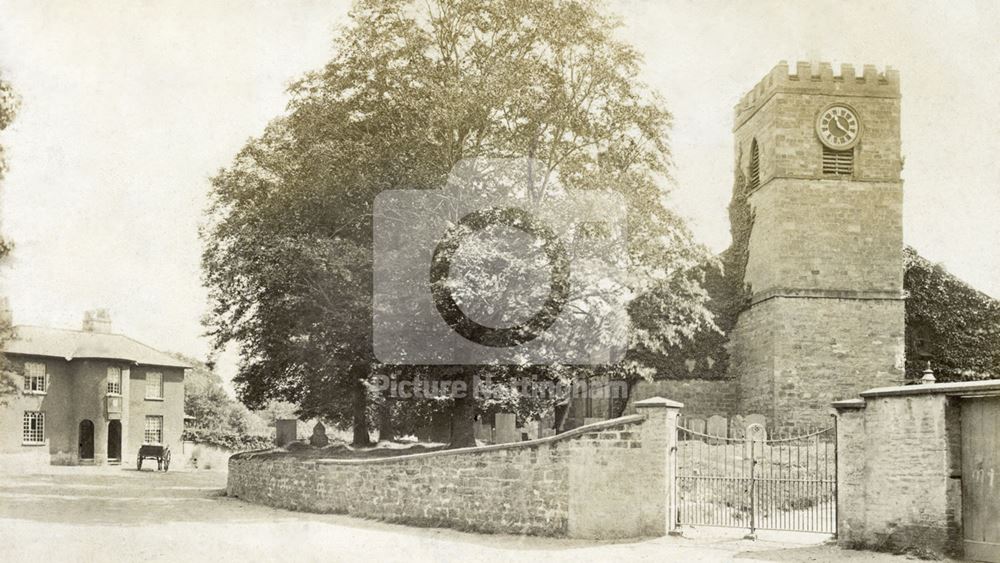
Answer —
591 419
737 427
756 436
483 431
506 428
285 431
718 426
531 428
756 419
696 425
318 438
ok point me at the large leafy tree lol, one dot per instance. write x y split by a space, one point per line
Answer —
8 108
414 88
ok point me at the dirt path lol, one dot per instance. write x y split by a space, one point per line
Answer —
100 514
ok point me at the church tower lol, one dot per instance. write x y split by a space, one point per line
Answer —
821 159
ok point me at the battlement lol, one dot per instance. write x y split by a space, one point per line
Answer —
818 79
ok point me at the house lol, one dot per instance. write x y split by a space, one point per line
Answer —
88 396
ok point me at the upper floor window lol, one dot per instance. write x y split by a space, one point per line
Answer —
114 380
837 162
154 385
35 377
754 181
34 428
153 433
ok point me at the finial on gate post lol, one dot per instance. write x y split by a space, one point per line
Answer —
928 375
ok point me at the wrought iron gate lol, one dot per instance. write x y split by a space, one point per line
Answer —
750 481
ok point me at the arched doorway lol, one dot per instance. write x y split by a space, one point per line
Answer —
114 440
86 439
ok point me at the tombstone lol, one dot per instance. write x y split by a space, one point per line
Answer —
285 431
318 438
718 426
756 437
756 419
696 425
506 428
531 429
482 430
737 427
546 432
591 420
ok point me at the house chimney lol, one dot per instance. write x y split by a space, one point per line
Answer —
6 315
97 320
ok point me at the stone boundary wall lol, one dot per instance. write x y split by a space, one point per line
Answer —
899 466
611 479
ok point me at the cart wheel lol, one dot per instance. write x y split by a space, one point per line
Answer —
166 461
138 463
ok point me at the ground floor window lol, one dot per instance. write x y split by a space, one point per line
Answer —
154 430
34 427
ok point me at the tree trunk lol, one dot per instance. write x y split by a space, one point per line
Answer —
385 429
361 437
463 413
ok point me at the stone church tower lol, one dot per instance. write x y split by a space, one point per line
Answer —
821 158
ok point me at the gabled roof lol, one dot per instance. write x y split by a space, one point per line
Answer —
78 344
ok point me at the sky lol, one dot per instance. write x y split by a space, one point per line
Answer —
129 107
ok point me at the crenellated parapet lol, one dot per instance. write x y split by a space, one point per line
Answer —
819 79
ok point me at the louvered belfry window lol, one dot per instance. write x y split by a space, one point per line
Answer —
754 181
840 163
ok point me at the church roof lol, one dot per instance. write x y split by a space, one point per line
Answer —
79 344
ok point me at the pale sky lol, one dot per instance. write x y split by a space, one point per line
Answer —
129 107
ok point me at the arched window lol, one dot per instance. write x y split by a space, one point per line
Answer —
754 181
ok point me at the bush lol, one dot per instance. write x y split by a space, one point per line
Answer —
235 441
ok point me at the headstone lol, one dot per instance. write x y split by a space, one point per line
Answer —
756 435
531 428
285 431
696 425
545 432
756 419
591 420
318 438
737 427
718 427
482 430
506 428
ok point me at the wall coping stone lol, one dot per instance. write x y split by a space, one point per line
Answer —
580 430
990 387
657 402
848 404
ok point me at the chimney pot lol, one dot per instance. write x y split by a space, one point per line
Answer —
97 320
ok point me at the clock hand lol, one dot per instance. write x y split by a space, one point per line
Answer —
836 129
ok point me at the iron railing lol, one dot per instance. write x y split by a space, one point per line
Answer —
781 483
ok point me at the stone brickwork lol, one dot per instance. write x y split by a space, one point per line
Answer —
799 355
825 255
701 397
606 480
899 467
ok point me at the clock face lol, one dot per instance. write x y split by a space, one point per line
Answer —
838 127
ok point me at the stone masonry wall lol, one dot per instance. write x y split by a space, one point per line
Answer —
701 397
797 355
604 480
897 468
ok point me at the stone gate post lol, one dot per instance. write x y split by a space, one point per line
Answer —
659 434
